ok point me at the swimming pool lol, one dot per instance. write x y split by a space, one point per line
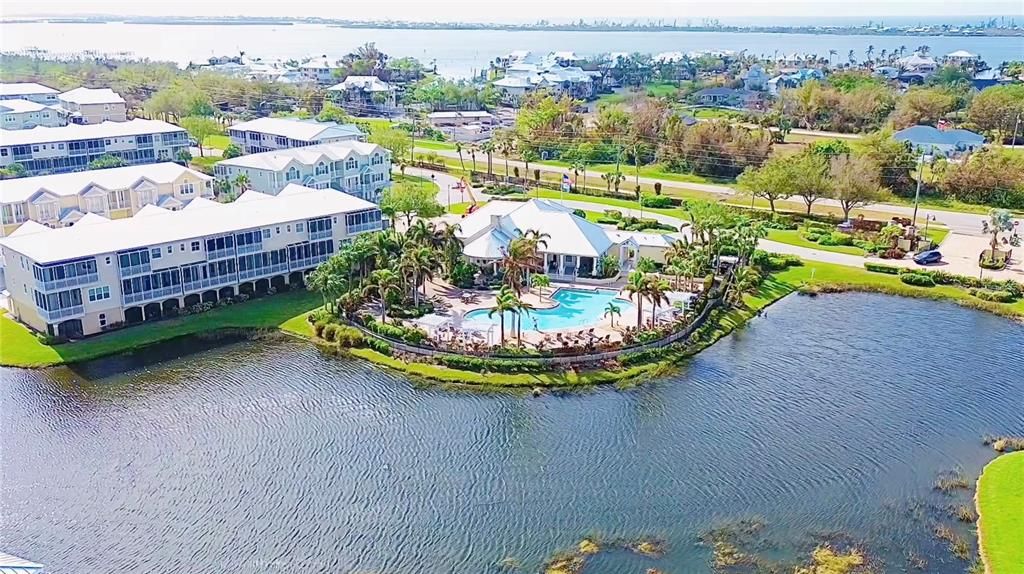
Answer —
575 309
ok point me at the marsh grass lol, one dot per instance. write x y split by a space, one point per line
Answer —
1004 443
950 481
826 560
958 545
963 513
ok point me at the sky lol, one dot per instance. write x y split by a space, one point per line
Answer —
727 11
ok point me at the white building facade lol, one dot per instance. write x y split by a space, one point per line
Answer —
268 134
353 167
26 114
70 148
94 106
30 91
103 274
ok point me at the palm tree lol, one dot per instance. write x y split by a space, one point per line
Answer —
831 53
458 150
870 51
506 300
999 220
488 148
446 241
384 284
523 256
679 250
419 263
677 269
242 181
903 50
611 310
578 166
522 308
421 232
385 246
655 292
541 282
473 148
636 285
505 146
852 57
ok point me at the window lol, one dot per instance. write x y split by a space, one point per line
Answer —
187 188
106 260
14 213
99 293
351 163
118 199
266 234
181 247
107 142
103 319
288 228
170 248
277 230
155 253
60 146
47 210
35 148
321 168
298 227
95 204
195 246
292 174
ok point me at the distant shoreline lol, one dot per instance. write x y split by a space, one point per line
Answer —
902 31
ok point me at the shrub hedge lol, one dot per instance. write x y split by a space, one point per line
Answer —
883 268
993 296
917 279
481 364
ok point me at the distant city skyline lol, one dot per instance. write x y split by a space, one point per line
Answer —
727 11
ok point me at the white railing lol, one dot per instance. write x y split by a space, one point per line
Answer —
132 270
151 294
220 253
200 284
262 271
58 314
56 284
321 234
362 227
307 262
250 248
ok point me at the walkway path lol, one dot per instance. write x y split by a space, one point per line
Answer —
964 223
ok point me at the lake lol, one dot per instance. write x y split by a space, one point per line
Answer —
827 419
458 53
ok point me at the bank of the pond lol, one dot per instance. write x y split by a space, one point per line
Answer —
1000 501
19 347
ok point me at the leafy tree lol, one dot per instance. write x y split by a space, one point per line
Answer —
241 182
106 161
611 310
999 221
923 106
990 177
505 302
398 142
385 285
231 151
334 113
772 181
409 201
646 265
716 148
184 156
541 282
200 128
893 160
12 171
997 109
810 179
855 182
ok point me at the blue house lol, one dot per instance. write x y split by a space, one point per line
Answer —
932 141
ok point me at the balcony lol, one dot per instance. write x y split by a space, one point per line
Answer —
250 248
152 294
321 234
61 314
60 284
216 254
262 271
364 227
307 262
133 270
208 283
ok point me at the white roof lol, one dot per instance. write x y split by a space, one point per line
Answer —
296 129
277 160
71 132
257 210
92 96
473 114
491 245
21 106
64 184
367 83
29 227
25 89
15 565
568 233
643 239
961 54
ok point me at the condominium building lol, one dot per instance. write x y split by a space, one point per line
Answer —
93 106
103 273
26 114
30 91
45 150
267 134
62 200
357 168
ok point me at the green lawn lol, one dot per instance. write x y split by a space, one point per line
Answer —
21 348
205 163
460 208
793 237
220 142
1001 511
714 113
399 180
436 145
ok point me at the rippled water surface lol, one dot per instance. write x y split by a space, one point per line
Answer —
828 415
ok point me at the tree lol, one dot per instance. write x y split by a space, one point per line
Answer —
505 301
997 110
897 158
527 156
242 182
855 182
656 294
810 178
521 308
505 144
386 285
636 286
107 161
541 282
772 181
611 310
398 142
409 201
184 156
200 128
334 113
923 106
522 256
646 265
329 279
419 263
446 240
488 148
458 150
999 221
231 151
992 177
613 178
13 171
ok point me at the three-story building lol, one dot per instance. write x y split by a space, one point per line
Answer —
102 274
94 105
62 200
268 134
356 168
43 150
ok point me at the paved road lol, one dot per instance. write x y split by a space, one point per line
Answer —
965 223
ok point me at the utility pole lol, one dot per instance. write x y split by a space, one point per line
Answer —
1016 127
917 194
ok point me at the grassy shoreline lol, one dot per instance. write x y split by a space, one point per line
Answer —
1000 506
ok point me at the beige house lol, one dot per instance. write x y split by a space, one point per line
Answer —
94 105
103 273
62 200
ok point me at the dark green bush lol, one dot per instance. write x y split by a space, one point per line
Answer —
350 337
883 268
865 245
407 334
329 332
382 347
483 364
993 296
917 279
657 201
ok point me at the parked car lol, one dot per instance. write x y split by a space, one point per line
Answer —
928 257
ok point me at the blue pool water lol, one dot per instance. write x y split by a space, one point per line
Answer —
576 309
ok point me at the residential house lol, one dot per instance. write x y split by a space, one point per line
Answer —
267 134
26 114
320 69
43 150
729 97
364 95
103 273
460 118
918 64
30 91
793 79
755 78
524 78
573 246
93 106
64 199
354 167
962 58
933 141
